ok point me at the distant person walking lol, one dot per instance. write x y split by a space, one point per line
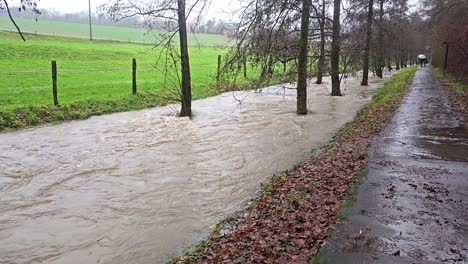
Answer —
422 60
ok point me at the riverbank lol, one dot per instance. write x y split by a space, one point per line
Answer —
291 218
30 116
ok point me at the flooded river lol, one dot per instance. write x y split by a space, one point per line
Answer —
140 187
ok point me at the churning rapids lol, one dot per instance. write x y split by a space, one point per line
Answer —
140 187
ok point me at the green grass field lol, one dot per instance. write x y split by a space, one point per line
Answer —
87 70
134 35
93 78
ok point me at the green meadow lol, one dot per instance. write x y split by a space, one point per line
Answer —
76 30
87 70
93 78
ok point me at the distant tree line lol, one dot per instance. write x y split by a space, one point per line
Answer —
448 21
80 17
210 26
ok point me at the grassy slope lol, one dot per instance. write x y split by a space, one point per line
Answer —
450 80
58 28
457 92
88 72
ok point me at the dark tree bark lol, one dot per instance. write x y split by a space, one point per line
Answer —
321 62
335 52
370 18
184 60
397 61
380 55
302 64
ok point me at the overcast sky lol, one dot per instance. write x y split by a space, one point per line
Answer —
218 8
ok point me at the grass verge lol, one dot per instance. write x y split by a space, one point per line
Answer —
291 218
457 92
38 115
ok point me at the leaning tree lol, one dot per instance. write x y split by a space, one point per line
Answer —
23 6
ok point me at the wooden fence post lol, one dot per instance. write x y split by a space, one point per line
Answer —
218 75
446 56
245 67
54 82
134 79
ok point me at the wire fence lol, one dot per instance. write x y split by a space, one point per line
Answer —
45 86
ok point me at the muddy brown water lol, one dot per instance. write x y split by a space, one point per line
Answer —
413 206
140 187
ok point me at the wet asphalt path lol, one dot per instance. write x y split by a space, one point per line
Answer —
413 206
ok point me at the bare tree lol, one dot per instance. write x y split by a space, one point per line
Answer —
175 14
335 52
380 61
269 33
370 18
302 60
321 63
186 109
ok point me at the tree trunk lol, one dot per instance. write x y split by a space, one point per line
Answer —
302 64
397 62
380 59
370 18
335 52
184 60
321 63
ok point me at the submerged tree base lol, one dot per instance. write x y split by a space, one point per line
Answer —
290 220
